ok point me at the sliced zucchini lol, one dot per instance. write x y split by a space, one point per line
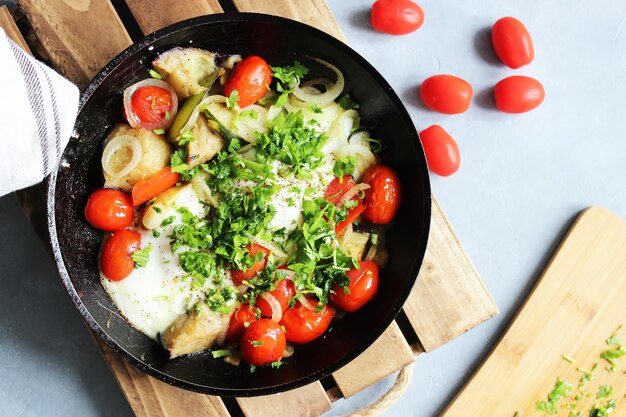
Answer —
355 244
184 113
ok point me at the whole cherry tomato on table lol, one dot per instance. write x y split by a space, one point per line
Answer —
518 94
303 324
284 292
383 197
109 209
242 317
361 289
262 343
240 276
442 152
446 94
116 261
512 42
396 17
251 78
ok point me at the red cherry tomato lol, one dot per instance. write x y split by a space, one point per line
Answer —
109 209
239 276
115 260
442 152
303 325
446 94
512 42
151 104
244 314
337 188
284 292
363 286
262 343
518 94
396 17
251 78
383 197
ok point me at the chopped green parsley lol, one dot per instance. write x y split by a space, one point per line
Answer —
140 257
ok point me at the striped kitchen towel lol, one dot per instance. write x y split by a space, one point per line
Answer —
37 113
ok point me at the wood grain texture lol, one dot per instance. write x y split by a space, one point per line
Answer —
577 304
10 28
386 355
449 297
308 401
156 14
80 36
312 12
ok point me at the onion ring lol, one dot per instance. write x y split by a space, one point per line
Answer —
113 146
132 118
331 93
277 310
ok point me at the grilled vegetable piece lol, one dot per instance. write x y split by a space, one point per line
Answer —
155 155
193 332
184 113
190 70
159 210
355 244
205 144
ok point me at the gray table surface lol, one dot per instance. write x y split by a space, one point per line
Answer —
522 181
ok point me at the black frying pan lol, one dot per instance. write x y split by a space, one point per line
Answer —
76 243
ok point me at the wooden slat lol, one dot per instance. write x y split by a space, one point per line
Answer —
149 397
577 304
449 297
80 36
308 401
8 24
156 14
312 12
388 354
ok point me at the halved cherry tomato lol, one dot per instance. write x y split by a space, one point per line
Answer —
303 325
147 189
115 260
251 78
239 276
446 94
512 42
337 188
396 17
262 343
109 209
353 214
151 104
442 152
518 94
244 314
284 292
362 288
383 197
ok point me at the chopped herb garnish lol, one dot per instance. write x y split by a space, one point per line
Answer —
168 220
252 368
220 353
603 410
604 391
141 256
155 233
345 166
159 131
568 358
374 239
154 74
562 389
315 108
156 209
613 339
347 103
233 99
612 355
277 364
287 79
256 343
185 138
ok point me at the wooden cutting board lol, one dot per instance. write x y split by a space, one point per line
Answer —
448 299
577 304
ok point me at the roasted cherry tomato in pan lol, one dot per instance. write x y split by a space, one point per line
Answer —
383 197
512 42
116 261
304 324
396 17
446 94
518 94
284 292
109 209
262 343
361 289
240 276
251 78
442 152
241 318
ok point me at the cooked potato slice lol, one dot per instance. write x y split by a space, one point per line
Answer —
195 331
155 213
155 155
188 70
355 245
206 143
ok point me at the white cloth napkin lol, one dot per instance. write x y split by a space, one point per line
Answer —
37 113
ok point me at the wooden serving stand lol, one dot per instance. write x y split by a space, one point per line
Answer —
78 37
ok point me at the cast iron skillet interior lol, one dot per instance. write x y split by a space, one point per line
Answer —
76 243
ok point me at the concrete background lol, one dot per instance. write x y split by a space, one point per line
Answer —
522 181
